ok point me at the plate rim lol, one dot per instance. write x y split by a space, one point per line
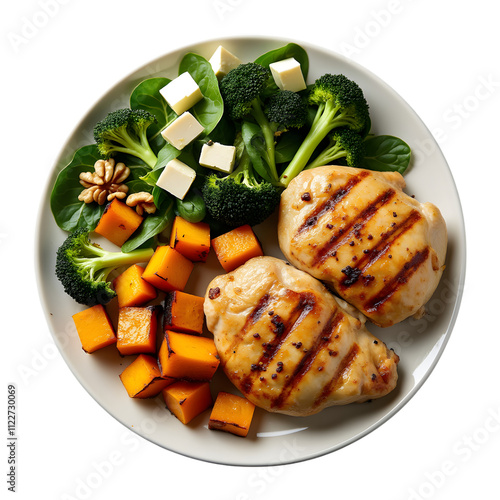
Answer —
59 163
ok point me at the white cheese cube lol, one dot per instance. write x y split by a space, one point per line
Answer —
182 130
288 75
176 178
182 93
218 156
223 61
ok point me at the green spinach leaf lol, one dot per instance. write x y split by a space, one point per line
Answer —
287 145
209 110
192 207
167 153
285 52
137 186
151 226
70 213
386 153
224 132
254 142
147 96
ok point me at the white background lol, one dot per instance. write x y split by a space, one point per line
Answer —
60 56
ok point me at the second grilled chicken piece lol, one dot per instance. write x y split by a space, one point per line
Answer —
289 345
356 230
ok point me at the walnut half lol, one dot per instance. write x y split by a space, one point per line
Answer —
105 183
143 202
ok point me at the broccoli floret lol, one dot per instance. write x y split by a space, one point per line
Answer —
125 131
240 197
342 143
83 267
286 110
242 91
340 103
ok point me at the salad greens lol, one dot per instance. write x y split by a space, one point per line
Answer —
379 152
285 52
385 152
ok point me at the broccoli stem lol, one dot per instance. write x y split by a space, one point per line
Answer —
325 157
268 133
149 157
242 172
144 151
146 155
106 261
244 168
323 123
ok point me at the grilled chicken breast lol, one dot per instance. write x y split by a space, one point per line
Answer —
289 345
357 231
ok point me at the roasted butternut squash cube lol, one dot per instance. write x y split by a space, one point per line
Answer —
186 400
131 289
235 247
188 357
168 269
142 378
136 330
183 312
231 413
118 222
94 328
191 239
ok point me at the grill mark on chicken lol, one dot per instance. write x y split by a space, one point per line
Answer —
331 203
377 251
303 366
259 309
282 329
252 318
343 367
410 267
344 234
384 371
316 342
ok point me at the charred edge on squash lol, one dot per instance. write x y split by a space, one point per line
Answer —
167 310
220 424
169 347
106 208
151 382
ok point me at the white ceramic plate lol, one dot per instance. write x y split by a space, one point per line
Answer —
273 439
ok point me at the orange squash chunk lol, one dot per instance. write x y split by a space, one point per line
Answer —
237 246
94 328
168 269
136 331
142 378
189 357
131 289
231 413
186 400
183 312
118 222
191 239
